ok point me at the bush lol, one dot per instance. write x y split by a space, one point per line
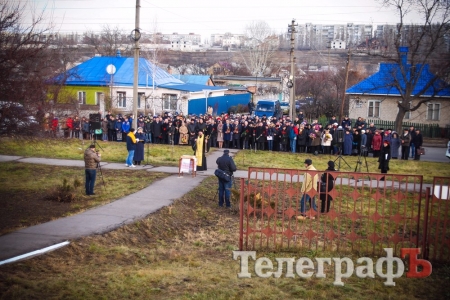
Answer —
66 192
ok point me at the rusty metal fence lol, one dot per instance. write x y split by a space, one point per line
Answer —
368 212
437 221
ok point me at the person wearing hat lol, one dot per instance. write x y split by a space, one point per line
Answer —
405 139
226 164
384 158
326 185
140 141
310 183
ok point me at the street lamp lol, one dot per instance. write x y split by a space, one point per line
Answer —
111 70
206 92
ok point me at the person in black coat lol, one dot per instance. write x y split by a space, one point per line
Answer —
417 140
384 158
326 185
226 164
140 141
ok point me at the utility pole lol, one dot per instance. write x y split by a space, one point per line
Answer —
291 81
341 114
135 36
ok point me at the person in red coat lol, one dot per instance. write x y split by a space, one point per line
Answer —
69 124
376 143
55 123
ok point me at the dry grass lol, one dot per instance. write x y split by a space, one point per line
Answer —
73 149
185 252
27 191
428 170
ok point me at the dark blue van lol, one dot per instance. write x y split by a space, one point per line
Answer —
269 108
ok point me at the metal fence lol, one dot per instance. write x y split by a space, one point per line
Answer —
427 130
437 220
366 214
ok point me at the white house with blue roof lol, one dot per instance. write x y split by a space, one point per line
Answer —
378 96
98 87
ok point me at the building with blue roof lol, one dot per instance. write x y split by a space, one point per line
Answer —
106 83
377 97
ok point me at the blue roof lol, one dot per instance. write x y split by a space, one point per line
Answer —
385 82
191 87
93 73
197 79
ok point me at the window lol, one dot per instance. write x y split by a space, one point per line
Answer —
374 109
82 97
121 99
141 97
408 113
99 97
169 102
433 111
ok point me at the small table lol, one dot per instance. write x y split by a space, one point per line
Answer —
187 164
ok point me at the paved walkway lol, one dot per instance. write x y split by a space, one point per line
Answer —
104 218
115 214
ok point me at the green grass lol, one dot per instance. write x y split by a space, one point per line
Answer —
183 253
264 159
73 149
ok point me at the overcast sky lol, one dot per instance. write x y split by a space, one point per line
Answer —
205 16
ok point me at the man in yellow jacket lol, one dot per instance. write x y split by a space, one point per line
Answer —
310 183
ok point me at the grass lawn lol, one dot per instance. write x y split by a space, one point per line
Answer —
164 155
428 170
185 252
28 193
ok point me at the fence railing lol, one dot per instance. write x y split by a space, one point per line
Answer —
438 220
427 130
366 213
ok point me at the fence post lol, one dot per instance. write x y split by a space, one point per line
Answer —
425 247
241 215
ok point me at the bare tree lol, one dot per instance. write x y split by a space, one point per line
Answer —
24 62
261 43
108 41
426 48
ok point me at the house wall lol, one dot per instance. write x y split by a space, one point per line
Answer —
91 92
389 109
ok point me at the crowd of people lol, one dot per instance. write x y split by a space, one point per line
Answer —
249 132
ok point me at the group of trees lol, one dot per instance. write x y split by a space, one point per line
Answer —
27 63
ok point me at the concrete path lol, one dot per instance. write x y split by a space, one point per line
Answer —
113 215
104 218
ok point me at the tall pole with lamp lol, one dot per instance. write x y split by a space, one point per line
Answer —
111 70
136 36
291 82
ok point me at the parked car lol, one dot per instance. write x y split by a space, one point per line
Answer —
268 108
284 107
297 105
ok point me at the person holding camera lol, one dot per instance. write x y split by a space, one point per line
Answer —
91 161
226 164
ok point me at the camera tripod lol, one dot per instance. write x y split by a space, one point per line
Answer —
341 158
99 167
359 162
148 154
